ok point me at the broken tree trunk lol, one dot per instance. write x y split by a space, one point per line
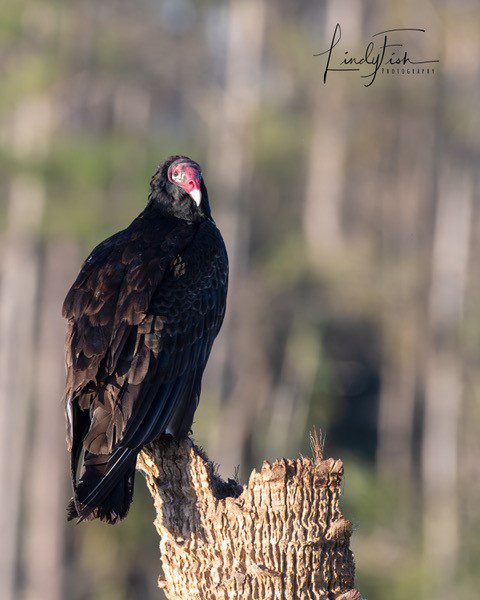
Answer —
282 536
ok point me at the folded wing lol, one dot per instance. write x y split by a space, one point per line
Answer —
143 315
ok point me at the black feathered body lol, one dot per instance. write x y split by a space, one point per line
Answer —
142 317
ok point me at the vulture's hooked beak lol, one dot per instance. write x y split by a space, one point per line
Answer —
191 184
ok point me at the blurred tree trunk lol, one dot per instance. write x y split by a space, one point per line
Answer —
444 370
29 127
45 510
230 163
403 238
232 119
281 537
444 376
327 154
17 345
290 397
469 440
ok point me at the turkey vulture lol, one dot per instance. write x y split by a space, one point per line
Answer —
142 317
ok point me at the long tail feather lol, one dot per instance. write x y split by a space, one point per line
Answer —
105 490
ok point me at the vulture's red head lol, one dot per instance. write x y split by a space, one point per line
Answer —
178 189
187 175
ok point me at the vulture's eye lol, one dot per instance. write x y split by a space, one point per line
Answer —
176 174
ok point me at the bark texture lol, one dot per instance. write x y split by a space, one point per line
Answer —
282 536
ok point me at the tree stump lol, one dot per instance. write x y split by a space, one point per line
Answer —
282 536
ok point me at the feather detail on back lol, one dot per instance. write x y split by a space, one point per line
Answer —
142 316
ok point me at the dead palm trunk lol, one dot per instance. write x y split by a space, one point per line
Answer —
282 536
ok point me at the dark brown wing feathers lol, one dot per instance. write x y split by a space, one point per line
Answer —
142 316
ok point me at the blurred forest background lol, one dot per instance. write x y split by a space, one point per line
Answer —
352 220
